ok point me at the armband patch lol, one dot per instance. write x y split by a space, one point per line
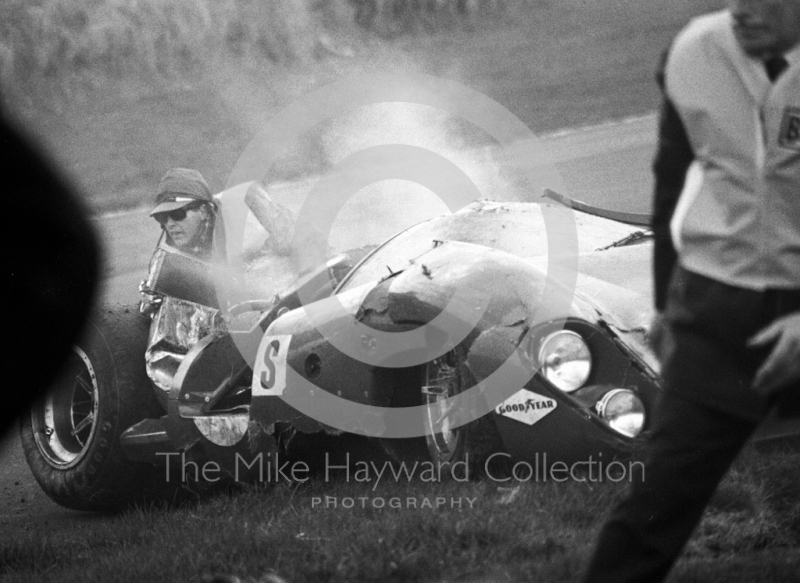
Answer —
790 129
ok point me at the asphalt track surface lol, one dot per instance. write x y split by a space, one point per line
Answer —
607 165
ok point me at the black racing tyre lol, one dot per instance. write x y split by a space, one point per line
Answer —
462 452
71 436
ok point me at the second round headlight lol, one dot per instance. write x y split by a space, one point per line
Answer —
565 360
623 410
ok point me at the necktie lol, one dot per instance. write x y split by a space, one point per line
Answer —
775 66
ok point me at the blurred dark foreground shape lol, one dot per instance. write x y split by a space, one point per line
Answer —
52 266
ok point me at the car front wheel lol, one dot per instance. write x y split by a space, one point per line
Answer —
461 451
71 435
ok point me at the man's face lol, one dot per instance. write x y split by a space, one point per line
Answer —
184 226
766 27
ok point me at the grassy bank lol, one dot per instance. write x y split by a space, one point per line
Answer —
121 90
100 39
335 531
113 38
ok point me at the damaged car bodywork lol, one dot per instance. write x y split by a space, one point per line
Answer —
192 381
591 378
402 285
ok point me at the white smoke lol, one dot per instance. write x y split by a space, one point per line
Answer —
387 206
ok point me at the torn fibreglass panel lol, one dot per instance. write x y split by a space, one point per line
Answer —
177 326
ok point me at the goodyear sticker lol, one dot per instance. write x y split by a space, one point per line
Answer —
790 129
269 369
526 406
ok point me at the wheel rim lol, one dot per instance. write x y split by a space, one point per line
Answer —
440 381
64 421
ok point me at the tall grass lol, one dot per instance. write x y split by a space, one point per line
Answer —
393 17
55 38
117 37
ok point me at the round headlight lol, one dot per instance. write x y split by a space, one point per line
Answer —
623 410
565 360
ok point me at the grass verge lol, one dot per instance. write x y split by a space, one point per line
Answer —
335 531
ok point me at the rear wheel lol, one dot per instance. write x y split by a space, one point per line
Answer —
71 437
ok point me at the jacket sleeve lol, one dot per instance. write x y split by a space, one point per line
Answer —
673 156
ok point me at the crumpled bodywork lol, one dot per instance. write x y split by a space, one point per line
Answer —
177 326
408 282
516 228
204 374
491 258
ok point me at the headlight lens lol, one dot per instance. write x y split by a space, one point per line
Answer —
623 410
565 359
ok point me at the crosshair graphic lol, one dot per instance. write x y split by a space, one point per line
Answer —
447 181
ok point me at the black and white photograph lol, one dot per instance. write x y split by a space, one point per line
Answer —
437 291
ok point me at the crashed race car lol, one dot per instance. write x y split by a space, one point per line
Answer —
189 383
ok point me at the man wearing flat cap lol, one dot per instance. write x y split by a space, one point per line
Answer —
187 211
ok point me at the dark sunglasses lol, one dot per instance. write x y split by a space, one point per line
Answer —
177 215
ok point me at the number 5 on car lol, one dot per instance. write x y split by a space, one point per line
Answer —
269 370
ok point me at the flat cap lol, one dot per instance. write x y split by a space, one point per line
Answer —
178 188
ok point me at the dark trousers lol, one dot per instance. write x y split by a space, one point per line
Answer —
691 448
703 418
705 354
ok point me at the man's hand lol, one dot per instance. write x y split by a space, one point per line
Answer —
782 366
